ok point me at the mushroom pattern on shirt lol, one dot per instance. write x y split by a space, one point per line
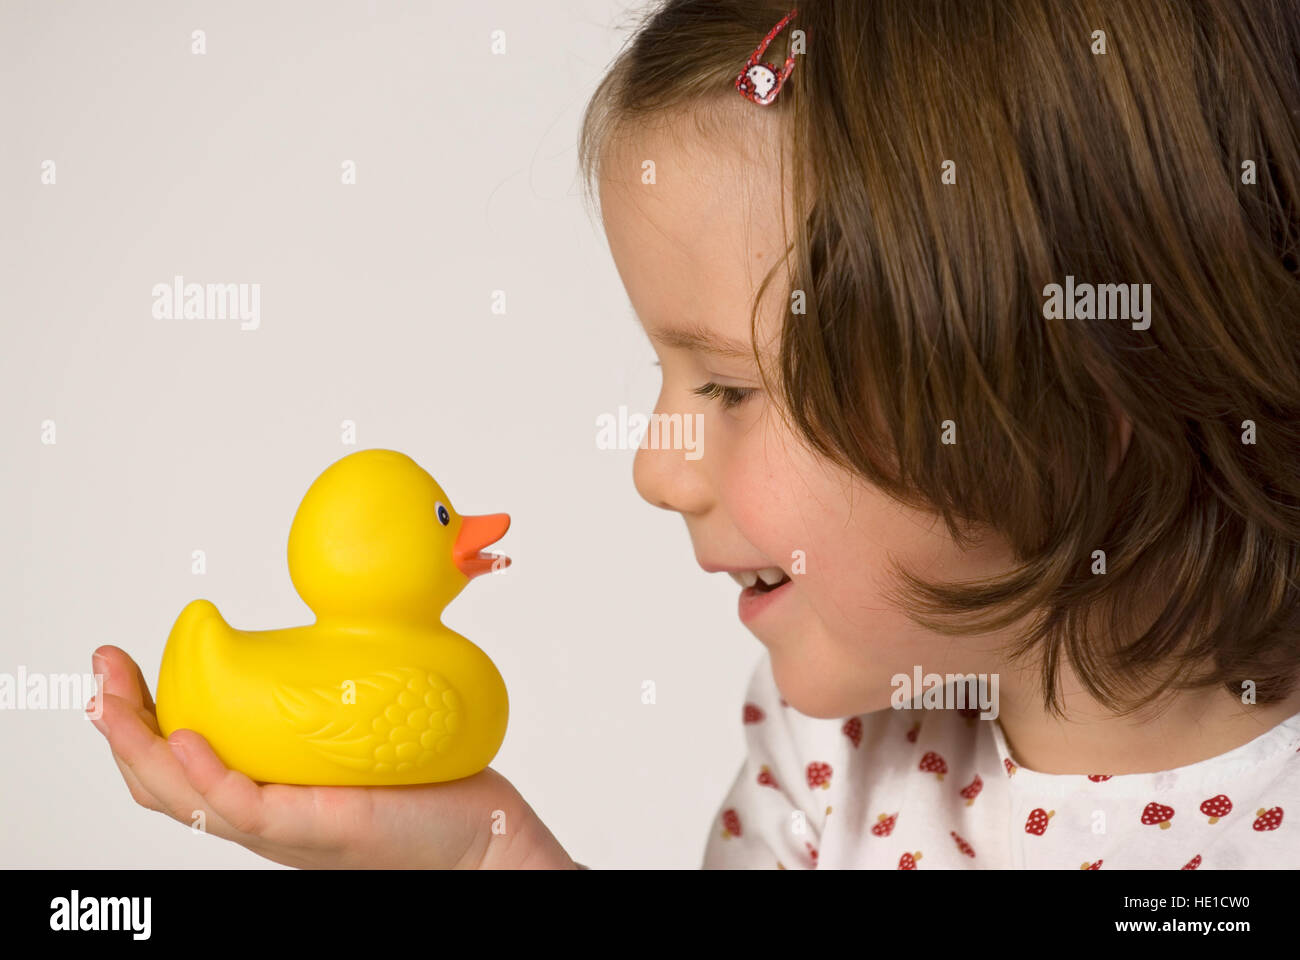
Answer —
921 790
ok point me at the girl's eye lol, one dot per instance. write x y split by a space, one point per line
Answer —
730 396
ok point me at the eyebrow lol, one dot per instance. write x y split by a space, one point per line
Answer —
703 341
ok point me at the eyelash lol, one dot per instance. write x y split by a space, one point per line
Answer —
729 396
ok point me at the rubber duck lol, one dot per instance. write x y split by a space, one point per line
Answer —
375 692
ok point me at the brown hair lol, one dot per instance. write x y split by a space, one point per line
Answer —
925 301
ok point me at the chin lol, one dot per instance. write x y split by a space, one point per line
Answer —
812 697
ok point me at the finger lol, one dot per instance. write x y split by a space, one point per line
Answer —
137 744
138 793
123 677
231 795
274 813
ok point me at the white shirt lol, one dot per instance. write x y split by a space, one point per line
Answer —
929 789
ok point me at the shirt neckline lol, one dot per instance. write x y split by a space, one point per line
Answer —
1280 742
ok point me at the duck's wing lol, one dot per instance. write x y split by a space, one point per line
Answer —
386 722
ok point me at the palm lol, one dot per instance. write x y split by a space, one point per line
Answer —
439 825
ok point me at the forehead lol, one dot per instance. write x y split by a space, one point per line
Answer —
697 241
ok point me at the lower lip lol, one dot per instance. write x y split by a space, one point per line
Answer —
754 601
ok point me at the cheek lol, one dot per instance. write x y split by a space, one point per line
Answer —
850 534
847 577
757 486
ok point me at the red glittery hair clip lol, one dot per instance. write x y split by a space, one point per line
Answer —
759 81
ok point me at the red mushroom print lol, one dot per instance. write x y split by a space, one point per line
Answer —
812 852
884 825
1098 777
1217 807
1268 819
911 734
765 778
908 860
730 824
1090 866
933 763
1011 767
819 775
972 790
1037 822
962 845
1154 813
1193 863
753 714
853 730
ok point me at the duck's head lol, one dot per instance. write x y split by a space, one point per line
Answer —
376 537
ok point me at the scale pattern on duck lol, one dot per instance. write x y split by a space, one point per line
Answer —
401 720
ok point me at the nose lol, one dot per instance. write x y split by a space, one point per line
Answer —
667 479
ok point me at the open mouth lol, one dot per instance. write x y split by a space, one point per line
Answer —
762 590
475 534
761 581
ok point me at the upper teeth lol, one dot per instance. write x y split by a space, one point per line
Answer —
769 575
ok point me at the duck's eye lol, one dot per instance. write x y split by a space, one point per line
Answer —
444 515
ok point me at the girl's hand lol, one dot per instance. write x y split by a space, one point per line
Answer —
439 826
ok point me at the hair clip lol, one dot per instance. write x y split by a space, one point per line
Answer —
761 82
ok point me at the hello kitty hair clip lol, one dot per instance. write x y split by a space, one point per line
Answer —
761 82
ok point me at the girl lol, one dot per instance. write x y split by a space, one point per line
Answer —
848 233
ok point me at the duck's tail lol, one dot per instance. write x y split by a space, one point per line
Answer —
189 647
194 614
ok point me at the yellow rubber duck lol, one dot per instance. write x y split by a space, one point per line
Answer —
377 691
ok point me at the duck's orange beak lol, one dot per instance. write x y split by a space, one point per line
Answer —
475 534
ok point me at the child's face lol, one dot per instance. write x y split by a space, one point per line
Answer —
691 249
